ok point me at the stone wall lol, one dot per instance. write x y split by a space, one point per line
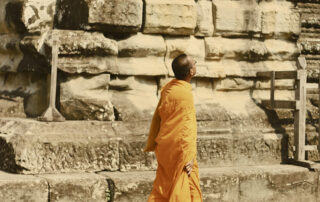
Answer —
113 62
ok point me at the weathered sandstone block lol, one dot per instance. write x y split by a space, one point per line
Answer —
91 65
236 16
175 17
248 69
131 146
86 98
250 50
142 45
310 19
248 183
229 84
31 147
22 188
10 53
281 50
310 46
116 14
85 43
37 15
29 86
77 187
205 25
240 49
280 18
134 98
106 16
144 66
33 16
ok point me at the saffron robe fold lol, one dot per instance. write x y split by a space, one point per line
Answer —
172 137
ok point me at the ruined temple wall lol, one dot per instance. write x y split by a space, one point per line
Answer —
114 56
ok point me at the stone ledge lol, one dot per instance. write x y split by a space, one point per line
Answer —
22 188
77 187
63 147
75 146
248 183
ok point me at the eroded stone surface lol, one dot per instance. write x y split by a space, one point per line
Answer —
280 18
162 17
134 98
32 88
254 183
142 45
77 187
235 16
118 16
86 98
33 16
205 25
29 146
22 188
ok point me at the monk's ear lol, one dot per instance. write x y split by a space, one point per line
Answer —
191 72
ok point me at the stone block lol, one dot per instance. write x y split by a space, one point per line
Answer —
278 183
134 98
130 186
85 43
133 138
231 84
251 50
90 64
32 147
259 95
248 183
33 16
310 46
118 15
77 187
239 49
285 84
236 16
86 98
281 50
30 87
214 150
310 19
10 53
79 51
280 18
205 25
146 66
37 15
11 107
142 45
249 150
23 188
161 17
250 69
210 69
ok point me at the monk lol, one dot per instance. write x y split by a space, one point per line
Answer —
173 135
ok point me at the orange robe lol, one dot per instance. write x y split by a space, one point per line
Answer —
172 136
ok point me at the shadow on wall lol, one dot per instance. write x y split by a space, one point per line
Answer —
276 124
71 14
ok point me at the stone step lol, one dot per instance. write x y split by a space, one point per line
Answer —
32 147
243 183
246 183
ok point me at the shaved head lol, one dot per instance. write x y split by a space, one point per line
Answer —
181 66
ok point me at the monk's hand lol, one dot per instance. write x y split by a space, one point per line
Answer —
188 167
